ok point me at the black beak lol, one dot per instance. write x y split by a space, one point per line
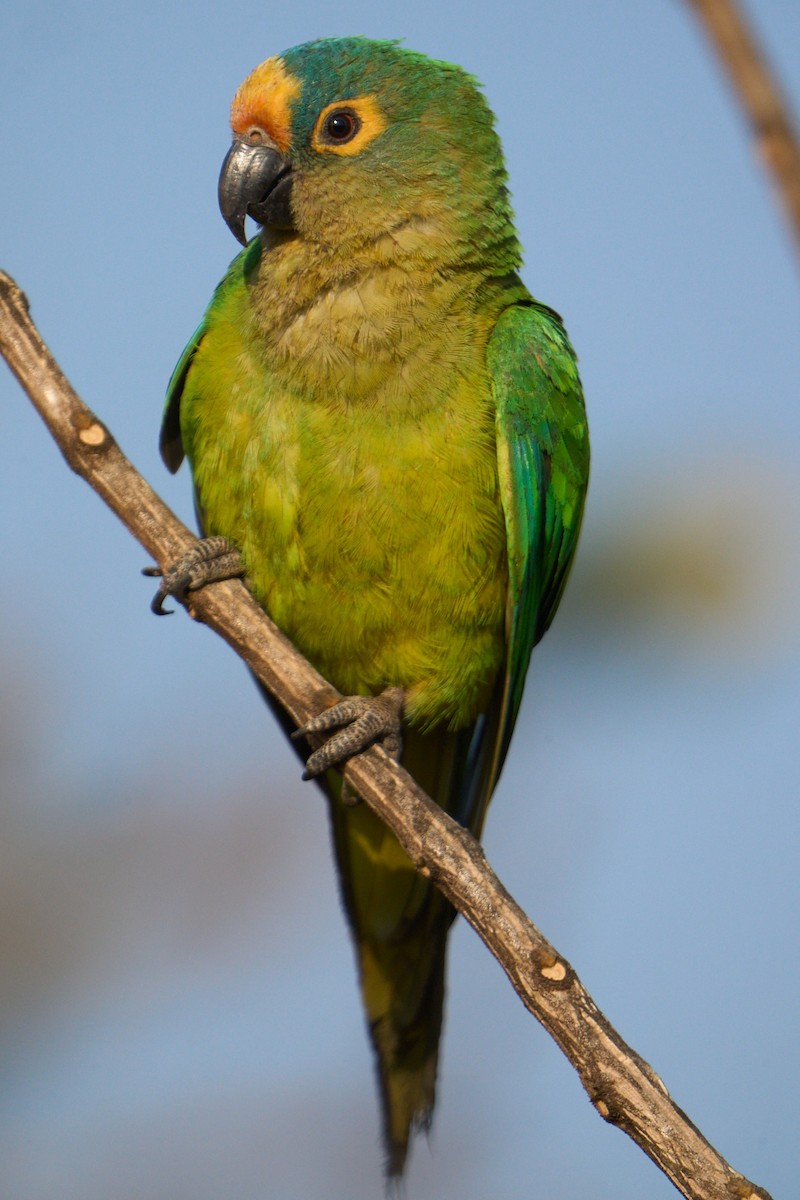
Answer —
255 181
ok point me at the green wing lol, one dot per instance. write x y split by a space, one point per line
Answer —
543 464
171 441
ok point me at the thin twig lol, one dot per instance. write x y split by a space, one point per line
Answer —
623 1088
759 95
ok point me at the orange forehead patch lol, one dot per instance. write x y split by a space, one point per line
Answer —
265 99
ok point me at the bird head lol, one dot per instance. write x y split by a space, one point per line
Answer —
346 140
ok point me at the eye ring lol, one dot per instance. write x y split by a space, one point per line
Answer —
347 127
340 127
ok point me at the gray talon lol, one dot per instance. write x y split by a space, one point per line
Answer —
360 720
209 561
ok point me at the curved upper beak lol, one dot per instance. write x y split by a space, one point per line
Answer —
255 181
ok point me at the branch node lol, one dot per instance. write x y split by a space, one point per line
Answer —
95 436
556 971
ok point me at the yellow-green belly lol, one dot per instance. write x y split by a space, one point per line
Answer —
371 528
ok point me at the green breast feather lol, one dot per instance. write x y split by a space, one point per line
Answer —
543 464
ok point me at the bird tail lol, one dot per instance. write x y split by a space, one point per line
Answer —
400 922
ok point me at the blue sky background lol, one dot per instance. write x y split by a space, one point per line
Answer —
178 999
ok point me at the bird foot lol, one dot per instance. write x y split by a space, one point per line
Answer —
209 560
361 721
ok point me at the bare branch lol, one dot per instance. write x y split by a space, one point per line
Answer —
759 96
624 1089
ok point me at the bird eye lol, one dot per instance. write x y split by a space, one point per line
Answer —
341 126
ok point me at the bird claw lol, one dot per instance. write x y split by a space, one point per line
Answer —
210 560
360 721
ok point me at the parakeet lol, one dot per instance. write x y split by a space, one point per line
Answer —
391 432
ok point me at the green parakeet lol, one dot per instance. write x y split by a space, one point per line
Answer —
391 431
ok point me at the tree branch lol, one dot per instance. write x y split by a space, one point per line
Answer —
624 1089
759 95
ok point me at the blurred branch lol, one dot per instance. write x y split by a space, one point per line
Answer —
764 106
623 1087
